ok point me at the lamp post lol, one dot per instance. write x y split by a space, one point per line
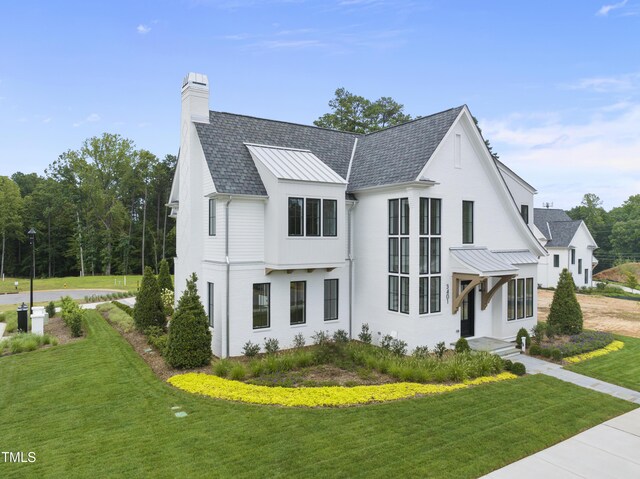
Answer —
32 242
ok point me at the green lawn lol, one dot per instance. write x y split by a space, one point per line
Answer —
72 282
620 367
94 408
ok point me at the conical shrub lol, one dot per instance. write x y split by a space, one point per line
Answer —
149 310
565 314
164 277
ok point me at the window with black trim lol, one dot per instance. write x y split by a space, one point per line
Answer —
524 212
296 210
210 303
212 217
297 302
330 299
261 305
467 222
429 257
519 298
511 300
329 217
529 297
556 260
393 293
312 213
399 254
573 256
579 266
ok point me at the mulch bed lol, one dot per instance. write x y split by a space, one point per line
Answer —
153 358
56 327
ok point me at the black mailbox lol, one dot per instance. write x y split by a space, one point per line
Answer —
23 318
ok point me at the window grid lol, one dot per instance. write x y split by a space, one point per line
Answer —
399 254
519 298
330 299
312 217
297 302
430 255
261 305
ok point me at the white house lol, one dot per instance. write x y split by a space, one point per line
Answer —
294 229
570 245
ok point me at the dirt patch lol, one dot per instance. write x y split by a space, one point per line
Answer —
150 356
600 313
619 273
56 327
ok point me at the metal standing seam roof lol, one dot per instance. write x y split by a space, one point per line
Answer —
483 261
294 164
523 256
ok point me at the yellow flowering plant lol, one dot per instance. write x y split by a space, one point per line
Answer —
611 347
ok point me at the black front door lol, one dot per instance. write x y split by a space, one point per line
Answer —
467 312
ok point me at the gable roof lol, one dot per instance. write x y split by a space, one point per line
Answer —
232 168
556 226
294 164
406 147
394 155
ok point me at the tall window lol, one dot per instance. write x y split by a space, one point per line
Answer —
296 208
511 300
429 263
313 217
212 217
329 217
524 212
261 305
330 299
529 297
297 302
398 292
210 303
573 256
579 266
556 260
467 222
519 298
586 276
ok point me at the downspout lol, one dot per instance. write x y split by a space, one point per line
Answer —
350 258
226 253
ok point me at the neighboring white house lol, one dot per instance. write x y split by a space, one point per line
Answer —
294 229
570 245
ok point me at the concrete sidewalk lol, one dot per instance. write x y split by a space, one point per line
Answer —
609 450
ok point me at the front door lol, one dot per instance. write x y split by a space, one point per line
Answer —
467 312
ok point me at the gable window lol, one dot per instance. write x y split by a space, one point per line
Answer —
429 257
330 299
524 212
573 256
467 222
296 208
556 260
579 266
261 305
329 217
399 257
212 217
313 217
210 303
297 302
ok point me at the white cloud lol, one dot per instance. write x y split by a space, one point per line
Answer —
618 83
605 9
92 118
143 29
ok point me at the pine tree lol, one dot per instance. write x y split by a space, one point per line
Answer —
164 277
148 310
565 313
189 343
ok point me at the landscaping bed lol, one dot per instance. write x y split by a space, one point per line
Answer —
560 347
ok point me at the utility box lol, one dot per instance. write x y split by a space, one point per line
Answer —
23 318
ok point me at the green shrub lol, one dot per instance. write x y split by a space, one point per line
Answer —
238 372
585 342
462 346
164 277
545 352
421 352
556 354
385 342
51 309
399 347
222 368
365 334
518 369
522 333
271 345
72 316
117 316
535 350
124 307
157 338
250 350
508 364
440 349
551 331
320 337
340 336
189 342
149 310
565 312
538 332
24 342
299 341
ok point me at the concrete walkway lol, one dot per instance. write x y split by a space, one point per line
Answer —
609 450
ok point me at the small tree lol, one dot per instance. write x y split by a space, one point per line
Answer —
164 277
148 310
632 281
189 343
565 314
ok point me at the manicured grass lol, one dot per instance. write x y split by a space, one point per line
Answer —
95 408
72 282
620 367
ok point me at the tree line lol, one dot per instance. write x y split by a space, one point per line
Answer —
96 210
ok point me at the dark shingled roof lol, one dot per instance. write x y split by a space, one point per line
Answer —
230 162
389 156
398 154
557 223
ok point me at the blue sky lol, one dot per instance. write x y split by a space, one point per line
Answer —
555 84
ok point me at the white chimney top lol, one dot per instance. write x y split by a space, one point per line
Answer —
196 79
195 98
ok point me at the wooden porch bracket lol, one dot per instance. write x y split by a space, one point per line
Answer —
268 271
458 296
487 295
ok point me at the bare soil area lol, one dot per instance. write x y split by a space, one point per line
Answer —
56 327
600 313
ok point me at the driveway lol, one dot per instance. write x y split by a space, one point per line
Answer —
52 295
